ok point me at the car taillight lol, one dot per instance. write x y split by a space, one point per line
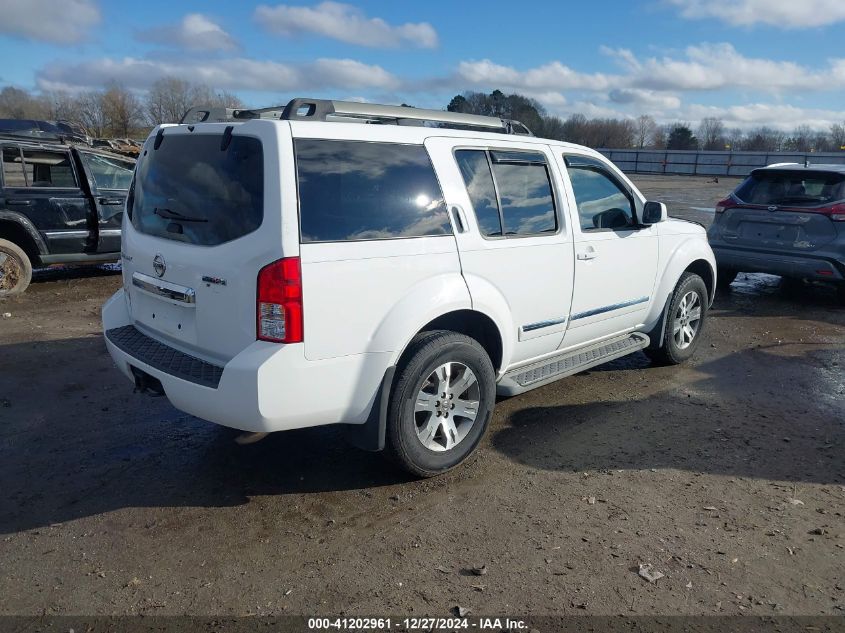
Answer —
727 203
837 213
279 302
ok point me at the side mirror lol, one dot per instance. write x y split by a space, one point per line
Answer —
654 212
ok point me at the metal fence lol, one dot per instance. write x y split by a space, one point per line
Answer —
701 163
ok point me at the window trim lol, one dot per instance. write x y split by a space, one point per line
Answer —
597 166
488 149
368 239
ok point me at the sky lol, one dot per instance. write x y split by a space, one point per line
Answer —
749 62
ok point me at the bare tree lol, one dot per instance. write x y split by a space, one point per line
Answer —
801 139
122 109
711 133
734 138
837 136
92 114
167 100
764 139
644 130
19 104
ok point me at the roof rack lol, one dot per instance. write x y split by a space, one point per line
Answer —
352 111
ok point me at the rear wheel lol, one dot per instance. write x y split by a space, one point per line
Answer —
15 269
725 277
685 322
441 403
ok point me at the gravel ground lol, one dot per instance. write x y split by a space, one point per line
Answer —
725 474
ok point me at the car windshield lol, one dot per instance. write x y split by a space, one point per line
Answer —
791 188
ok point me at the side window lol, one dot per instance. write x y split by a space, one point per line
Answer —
478 179
48 169
354 190
108 173
602 203
13 174
515 198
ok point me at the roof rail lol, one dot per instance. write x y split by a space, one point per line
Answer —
328 110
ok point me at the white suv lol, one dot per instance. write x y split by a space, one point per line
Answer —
287 269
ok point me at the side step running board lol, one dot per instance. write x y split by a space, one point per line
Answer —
548 370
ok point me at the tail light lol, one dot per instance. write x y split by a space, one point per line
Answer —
279 302
727 203
837 213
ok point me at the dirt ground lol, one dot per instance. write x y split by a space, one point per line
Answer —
725 474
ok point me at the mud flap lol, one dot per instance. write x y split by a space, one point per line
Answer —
656 335
370 435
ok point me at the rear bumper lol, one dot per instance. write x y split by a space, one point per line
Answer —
267 387
821 266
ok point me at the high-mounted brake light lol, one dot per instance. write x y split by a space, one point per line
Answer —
279 302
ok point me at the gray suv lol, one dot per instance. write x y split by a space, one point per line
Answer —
786 220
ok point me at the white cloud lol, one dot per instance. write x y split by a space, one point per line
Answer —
195 32
721 66
227 74
785 14
553 76
344 22
48 21
644 98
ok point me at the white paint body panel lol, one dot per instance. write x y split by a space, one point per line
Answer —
364 301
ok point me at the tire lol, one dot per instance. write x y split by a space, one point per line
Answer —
725 277
674 348
15 269
421 435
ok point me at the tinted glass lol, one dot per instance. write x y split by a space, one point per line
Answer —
48 169
602 204
526 197
107 172
13 175
479 183
350 190
792 189
192 191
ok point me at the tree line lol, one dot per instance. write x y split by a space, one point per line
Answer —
644 132
118 112
115 111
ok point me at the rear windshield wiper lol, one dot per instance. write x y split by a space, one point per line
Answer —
169 214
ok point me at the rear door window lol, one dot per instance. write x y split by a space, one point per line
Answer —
49 169
792 189
511 192
355 190
191 190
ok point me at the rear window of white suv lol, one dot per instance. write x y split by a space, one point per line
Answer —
199 188
358 190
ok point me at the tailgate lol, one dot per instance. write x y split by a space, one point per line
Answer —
782 230
203 219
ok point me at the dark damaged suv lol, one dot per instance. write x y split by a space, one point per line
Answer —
59 204
785 220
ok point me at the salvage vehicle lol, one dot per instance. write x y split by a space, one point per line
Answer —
59 204
786 219
390 269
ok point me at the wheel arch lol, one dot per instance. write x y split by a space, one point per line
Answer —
474 324
20 232
703 269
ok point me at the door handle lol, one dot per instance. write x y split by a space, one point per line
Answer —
110 201
460 220
18 203
591 254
